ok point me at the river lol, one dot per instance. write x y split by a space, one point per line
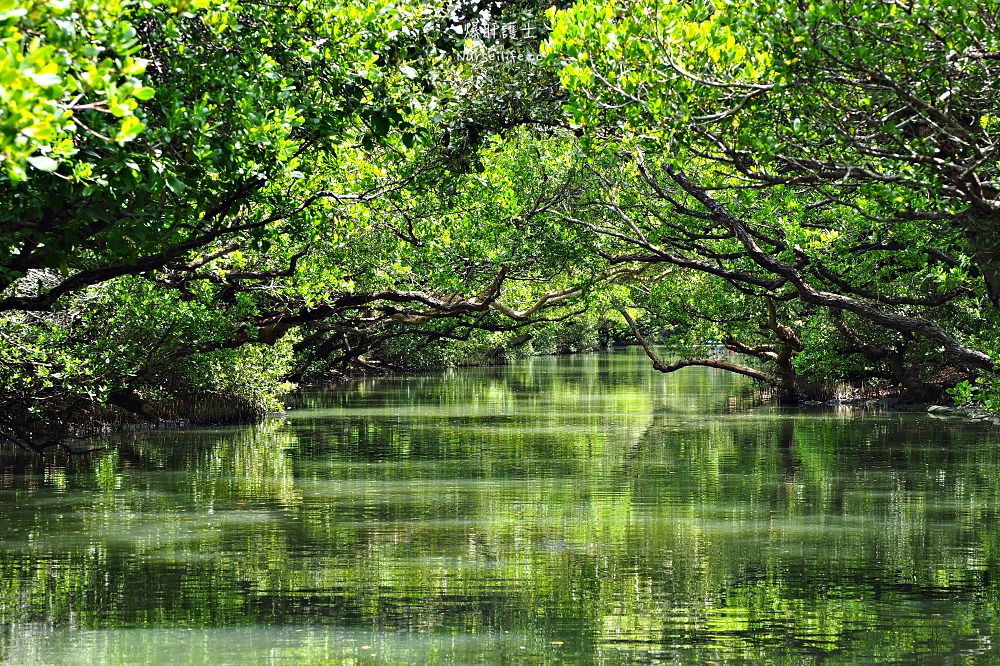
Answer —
571 510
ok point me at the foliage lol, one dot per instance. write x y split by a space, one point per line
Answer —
982 392
63 59
216 197
839 156
248 102
130 345
287 169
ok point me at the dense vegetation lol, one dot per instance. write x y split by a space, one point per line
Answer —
206 200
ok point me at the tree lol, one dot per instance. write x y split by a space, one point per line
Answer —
839 155
232 113
274 181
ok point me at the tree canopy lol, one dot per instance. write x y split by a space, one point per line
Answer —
208 200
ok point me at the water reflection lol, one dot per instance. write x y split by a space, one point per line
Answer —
566 510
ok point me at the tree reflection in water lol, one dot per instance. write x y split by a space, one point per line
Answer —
560 510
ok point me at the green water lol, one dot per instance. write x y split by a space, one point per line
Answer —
571 510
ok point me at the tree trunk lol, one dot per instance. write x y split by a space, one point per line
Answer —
984 236
131 401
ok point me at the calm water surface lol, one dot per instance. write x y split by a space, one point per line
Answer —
570 510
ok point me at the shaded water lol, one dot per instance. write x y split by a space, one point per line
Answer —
570 510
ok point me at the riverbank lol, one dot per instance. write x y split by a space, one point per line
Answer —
92 420
963 413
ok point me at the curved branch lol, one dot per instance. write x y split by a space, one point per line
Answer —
810 294
719 364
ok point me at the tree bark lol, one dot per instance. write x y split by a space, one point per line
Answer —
131 401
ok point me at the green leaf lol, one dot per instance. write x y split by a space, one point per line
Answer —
16 12
43 163
130 128
380 124
176 186
46 79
